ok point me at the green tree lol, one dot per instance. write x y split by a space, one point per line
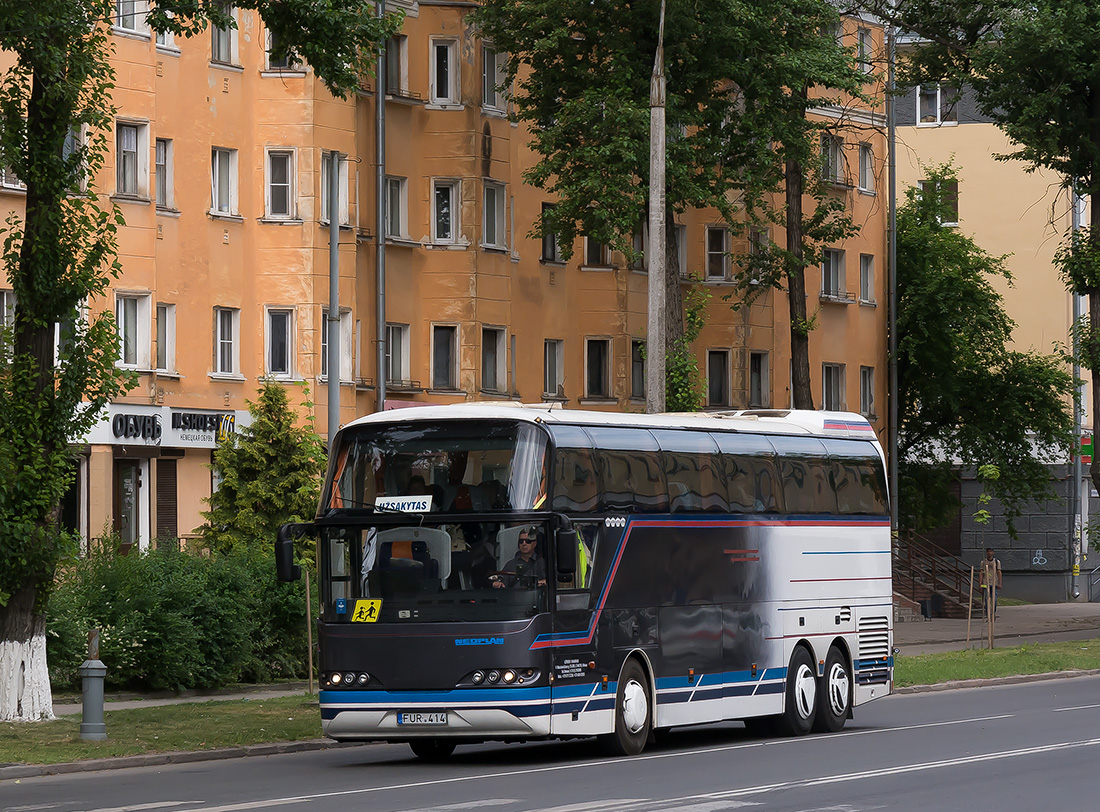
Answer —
580 73
60 257
963 396
1032 66
270 474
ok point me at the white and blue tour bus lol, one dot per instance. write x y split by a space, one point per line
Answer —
493 572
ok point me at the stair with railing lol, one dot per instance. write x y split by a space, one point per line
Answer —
927 574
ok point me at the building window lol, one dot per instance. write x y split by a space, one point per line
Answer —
832 273
865 47
444 84
8 178
867 391
280 343
277 57
166 337
7 323
223 180
346 339
222 40
936 104
397 196
949 201
832 159
492 359
444 210
596 254
131 159
132 318
128 15
492 77
444 356
163 174
280 184
492 233
553 377
326 188
397 354
166 39
551 250
718 377
758 379
597 363
832 387
639 245
866 168
866 278
226 326
718 258
397 60
637 369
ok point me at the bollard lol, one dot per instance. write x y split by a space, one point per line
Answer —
92 672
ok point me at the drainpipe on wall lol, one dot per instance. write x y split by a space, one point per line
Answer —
380 204
333 325
1078 500
892 283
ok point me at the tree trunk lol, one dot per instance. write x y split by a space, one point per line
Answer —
801 393
24 679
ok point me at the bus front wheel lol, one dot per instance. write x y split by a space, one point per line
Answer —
432 749
801 705
633 715
836 694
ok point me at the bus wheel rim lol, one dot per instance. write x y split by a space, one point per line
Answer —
805 691
838 687
635 706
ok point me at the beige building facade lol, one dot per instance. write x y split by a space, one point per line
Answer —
220 162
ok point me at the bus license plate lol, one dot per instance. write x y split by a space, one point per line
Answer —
422 718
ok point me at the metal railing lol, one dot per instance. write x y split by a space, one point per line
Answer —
918 563
1094 584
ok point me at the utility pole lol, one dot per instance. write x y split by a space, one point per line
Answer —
380 203
333 325
892 285
657 338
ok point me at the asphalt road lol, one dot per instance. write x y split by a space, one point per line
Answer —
1015 747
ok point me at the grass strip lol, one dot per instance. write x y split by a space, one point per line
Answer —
1035 658
187 726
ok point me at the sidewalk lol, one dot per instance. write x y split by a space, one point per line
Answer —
72 705
1014 626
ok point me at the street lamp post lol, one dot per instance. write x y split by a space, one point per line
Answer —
657 335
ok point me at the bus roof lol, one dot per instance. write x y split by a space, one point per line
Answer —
759 421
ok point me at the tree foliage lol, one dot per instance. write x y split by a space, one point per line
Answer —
964 397
270 474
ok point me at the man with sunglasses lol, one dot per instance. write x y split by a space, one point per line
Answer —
525 569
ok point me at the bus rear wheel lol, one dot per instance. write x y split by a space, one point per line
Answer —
633 715
836 694
801 700
432 749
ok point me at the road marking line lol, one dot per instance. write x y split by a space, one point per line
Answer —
141 807
1077 707
467 805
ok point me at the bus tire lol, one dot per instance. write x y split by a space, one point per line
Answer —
432 749
835 698
633 714
800 707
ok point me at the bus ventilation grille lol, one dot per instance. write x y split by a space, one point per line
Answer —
874 650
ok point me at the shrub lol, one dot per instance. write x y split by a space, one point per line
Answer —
172 621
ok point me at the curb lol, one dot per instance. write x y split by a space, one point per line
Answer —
983 683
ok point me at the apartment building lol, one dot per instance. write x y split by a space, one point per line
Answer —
220 165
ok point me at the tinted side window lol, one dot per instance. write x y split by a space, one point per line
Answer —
858 477
693 471
803 467
631 471
749 468
576 485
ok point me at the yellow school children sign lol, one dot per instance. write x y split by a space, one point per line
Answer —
366 611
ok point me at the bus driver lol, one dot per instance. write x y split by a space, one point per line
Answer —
526 567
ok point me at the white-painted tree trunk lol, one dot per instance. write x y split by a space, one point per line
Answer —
24 679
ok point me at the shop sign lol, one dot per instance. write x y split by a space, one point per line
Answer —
134 424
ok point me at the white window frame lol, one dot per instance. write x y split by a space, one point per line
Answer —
133 326
553 368
867 391
223 42
494 357
227 344
166 337
832 387
271 155
637 369
680 231
589 343
832 273
135 162
130 16
639 243
7 323
443 96
759 379
718 262
223 202
946 223
397 65
291 66
9 180
451 383
164 174
492 222
551 245
723 357
943 113
865 45
453 188
596 254
397 354
492 77
833 169
286 332
867 278
324 192
397 216
347 336
166 41
866 168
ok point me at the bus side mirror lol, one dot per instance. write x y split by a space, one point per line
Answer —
285 568
566 550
